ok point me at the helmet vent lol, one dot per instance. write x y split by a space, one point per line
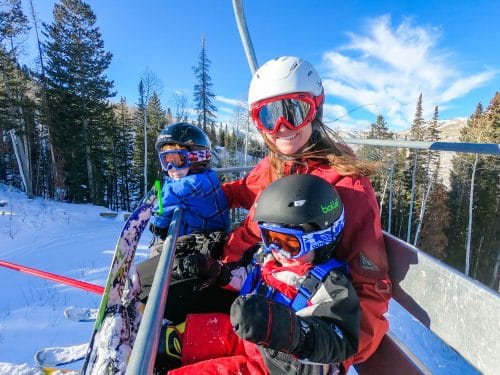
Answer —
298 203
292 68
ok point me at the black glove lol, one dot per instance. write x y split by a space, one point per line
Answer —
212 243
270 324
185 245
210 271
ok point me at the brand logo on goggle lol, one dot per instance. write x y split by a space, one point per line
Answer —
331 206
313 241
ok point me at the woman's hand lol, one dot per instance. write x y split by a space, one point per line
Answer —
210 271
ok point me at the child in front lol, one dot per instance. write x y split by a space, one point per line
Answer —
297 312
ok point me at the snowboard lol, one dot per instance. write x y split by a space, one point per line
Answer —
119 313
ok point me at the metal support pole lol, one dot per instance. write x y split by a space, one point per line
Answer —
143 355
474 148
244 35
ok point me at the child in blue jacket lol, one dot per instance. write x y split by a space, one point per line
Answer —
185 152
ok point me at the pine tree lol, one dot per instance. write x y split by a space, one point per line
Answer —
77 92
431 173
414 177
156 121
17 125
474 199
383 156
395 220
203 94
13 24
434 239
119 167
221 136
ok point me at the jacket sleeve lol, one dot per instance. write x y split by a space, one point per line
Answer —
362 246
242 193
237 193
334 323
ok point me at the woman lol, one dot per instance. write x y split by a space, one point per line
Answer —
286 102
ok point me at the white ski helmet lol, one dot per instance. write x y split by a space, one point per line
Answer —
284 75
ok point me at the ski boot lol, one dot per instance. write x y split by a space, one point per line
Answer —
168 355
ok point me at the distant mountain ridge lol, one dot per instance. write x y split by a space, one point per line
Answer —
449 132
449 129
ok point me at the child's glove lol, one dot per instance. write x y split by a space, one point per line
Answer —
210 271
270 324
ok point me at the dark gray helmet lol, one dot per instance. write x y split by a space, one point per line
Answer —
300 200
183 134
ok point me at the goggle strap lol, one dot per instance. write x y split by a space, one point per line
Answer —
308 241
201 155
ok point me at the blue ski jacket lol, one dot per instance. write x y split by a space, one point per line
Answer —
201 197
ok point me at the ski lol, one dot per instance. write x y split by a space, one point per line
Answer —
120 312
80 314
60 355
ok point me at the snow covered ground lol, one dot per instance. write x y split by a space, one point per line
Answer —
67 239
75 241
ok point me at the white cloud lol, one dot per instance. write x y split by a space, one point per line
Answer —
234 102
390 66
464 85
333 111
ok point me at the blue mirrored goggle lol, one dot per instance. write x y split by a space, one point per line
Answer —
180 159
294 243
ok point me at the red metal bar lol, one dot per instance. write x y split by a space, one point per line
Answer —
54 277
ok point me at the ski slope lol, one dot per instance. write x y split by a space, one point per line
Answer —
68 239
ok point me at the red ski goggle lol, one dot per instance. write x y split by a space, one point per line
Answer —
180 159
294 110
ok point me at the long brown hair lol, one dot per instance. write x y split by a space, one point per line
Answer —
324 144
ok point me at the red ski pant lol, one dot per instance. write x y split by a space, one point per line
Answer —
210 346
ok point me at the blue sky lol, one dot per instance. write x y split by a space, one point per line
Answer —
375 54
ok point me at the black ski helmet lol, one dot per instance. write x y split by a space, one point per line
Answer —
305 201
183 134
